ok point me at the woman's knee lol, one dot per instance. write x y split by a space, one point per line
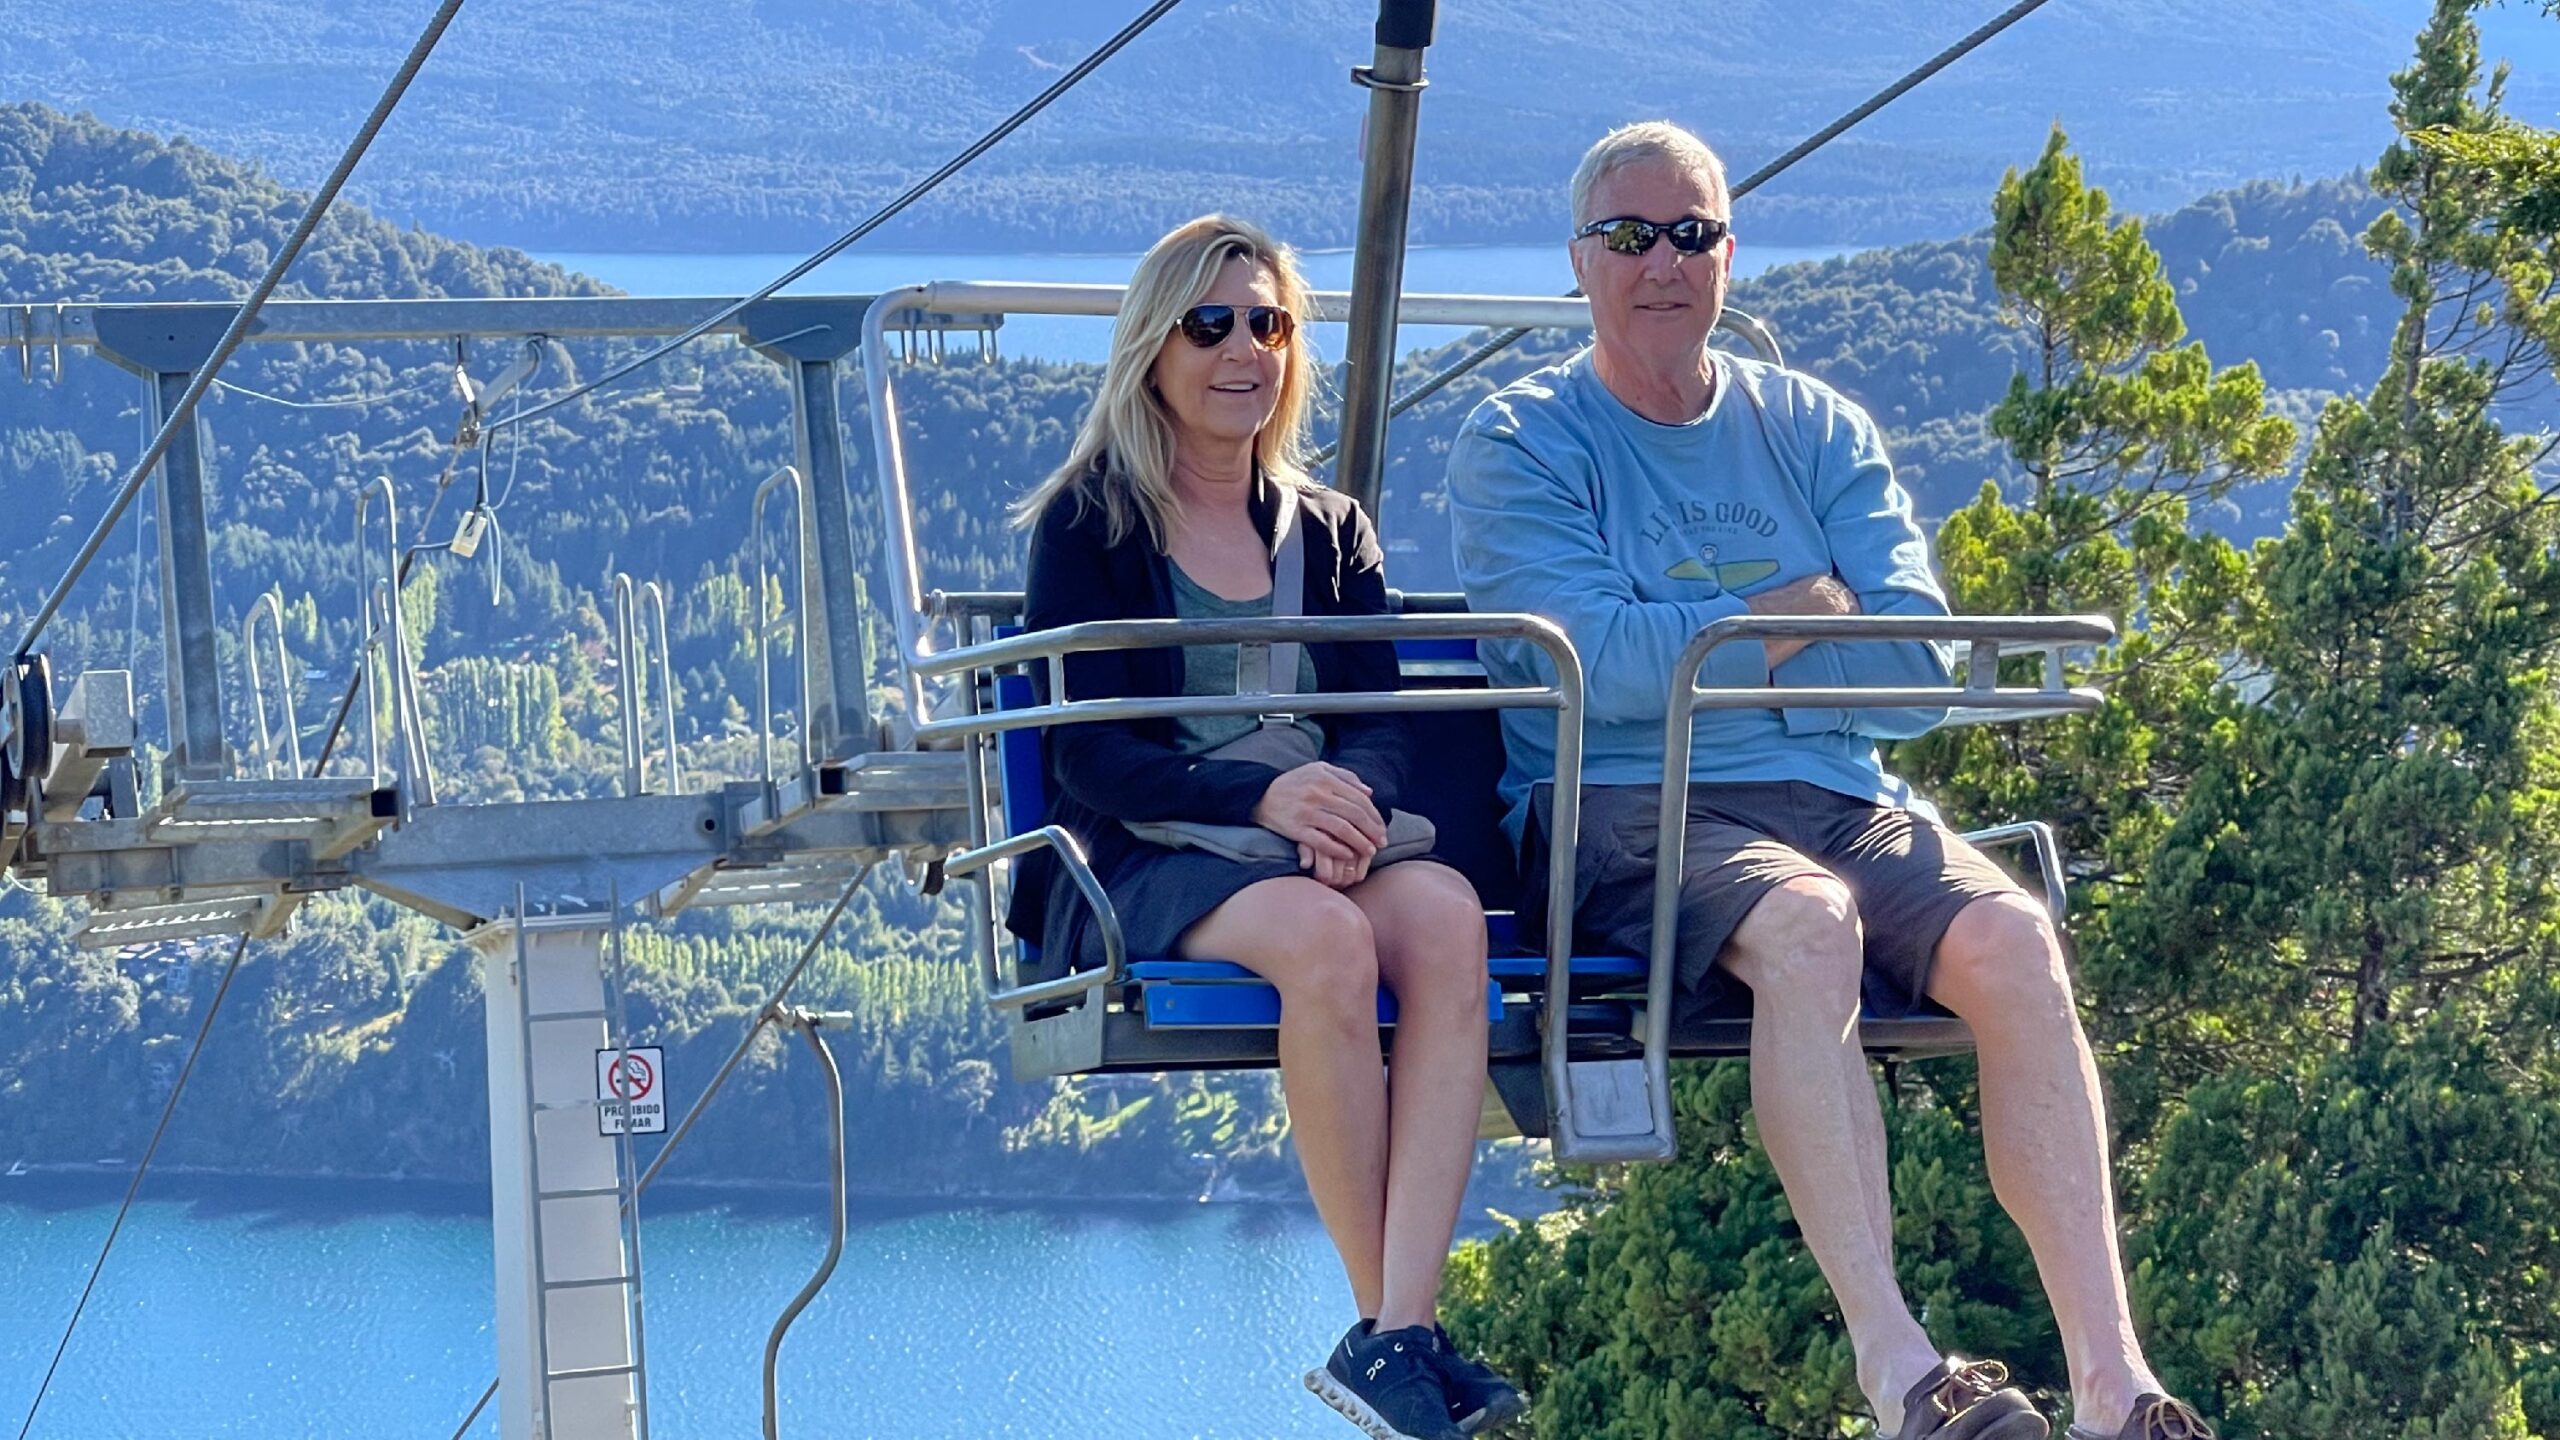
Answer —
1431 935
1427 912
1332 951
1802 939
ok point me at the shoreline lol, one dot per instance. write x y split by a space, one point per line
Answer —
321 1197
678 1194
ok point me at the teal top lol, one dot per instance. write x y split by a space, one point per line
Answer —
1211 669
1631 535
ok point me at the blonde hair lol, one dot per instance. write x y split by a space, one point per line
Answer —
1635 145
1123 455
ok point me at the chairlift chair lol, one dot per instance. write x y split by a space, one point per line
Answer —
1579 1044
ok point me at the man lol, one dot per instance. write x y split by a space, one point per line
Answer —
1640 490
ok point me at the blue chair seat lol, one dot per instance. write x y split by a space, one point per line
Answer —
1219 994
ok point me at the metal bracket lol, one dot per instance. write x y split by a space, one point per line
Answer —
94 728
1067 1043
1366 76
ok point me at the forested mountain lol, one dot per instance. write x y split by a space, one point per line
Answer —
768 124
653 479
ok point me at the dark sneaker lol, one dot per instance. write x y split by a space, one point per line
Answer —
1969 1400
1479 1398
2154 1417
1388 1384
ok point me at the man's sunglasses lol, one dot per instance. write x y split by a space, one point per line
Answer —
1629 236
1208 326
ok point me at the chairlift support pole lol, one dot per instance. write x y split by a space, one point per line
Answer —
838 661
1395 84
570 1362
186 595
166 355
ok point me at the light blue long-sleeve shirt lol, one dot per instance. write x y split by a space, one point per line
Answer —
1632 535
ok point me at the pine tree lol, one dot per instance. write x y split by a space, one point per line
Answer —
2348 1224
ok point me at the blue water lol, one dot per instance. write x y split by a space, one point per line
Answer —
1478 270
255 1312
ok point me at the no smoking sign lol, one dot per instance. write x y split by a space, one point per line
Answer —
631 1092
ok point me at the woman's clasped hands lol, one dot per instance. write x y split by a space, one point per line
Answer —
1327 811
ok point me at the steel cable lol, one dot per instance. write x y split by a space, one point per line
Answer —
238 330
884 215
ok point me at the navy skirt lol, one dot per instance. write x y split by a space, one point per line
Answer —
1158 892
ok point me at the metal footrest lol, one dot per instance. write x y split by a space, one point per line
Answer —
335 814
256 916
1610 1098
793 882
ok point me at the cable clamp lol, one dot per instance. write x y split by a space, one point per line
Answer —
1366 76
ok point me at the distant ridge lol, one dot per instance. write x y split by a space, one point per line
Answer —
769 124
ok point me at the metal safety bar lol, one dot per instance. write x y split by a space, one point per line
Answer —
1070 852
766 626
417 780
264 757
1564 697
1986 635
2039 837
633 662
955 301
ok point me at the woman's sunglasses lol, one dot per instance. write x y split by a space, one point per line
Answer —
1208 326
1629 236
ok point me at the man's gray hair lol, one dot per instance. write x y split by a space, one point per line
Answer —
1636 144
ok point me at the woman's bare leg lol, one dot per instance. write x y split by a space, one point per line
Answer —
1431 950
1316 947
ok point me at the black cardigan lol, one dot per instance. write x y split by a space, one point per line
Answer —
1102 772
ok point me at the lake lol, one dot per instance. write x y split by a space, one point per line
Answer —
250 1309
1482 270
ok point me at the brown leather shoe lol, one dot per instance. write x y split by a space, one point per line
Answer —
1969 1400
2154 1417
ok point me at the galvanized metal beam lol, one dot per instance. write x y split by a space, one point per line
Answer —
839 662
196 748
150 338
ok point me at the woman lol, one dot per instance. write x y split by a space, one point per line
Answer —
1171 505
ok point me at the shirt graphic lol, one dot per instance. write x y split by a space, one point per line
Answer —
1724 575
1705 531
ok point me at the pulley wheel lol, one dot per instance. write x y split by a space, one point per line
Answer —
26 730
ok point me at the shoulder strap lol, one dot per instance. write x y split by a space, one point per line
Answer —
1288 588
1273 669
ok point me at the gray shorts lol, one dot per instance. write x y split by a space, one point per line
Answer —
1909 875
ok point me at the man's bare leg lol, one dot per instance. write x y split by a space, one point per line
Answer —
2044 1133
1801 952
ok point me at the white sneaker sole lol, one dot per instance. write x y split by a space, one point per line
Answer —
1354 1409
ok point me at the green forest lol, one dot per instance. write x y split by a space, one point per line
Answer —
2296 437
